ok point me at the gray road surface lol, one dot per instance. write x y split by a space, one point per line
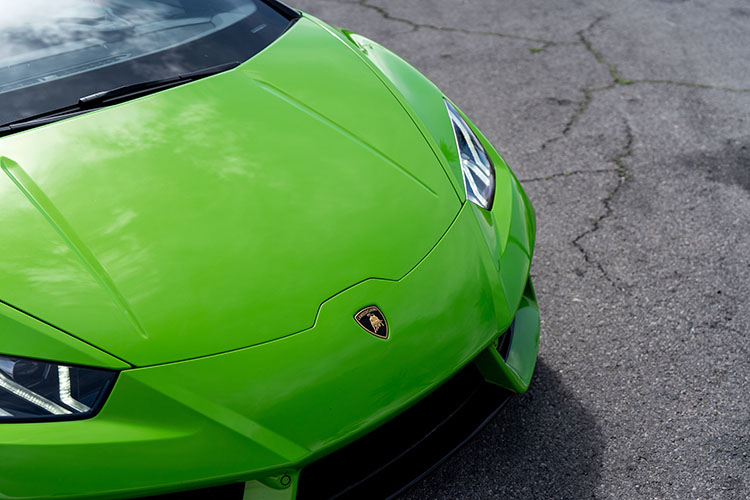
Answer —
629 121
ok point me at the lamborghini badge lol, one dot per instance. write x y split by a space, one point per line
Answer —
373 321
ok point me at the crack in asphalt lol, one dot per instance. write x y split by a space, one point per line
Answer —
622 176
618 79
567 174
618 160
689 84
588 92
415 26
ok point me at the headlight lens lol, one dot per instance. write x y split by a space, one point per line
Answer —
38 390
477 168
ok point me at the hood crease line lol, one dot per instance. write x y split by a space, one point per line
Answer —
47 209
280 94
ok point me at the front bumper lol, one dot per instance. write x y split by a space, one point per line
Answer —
263 413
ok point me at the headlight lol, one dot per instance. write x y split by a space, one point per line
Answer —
33 390
477 168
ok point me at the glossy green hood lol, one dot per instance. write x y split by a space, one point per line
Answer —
222 213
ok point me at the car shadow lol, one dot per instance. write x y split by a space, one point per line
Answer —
543 444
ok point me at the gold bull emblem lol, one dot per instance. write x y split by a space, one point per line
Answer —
372 320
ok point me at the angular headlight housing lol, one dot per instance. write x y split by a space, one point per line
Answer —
477 168
32 390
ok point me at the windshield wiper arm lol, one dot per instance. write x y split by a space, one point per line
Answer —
112 96
94 100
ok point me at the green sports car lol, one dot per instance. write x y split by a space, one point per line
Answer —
245 254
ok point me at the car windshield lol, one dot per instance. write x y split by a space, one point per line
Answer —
53 52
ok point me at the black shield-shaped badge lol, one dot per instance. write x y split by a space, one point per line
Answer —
372 320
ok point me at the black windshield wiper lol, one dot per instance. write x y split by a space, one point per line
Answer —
99 98
110 97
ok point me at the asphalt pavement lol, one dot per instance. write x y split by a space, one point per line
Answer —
628 122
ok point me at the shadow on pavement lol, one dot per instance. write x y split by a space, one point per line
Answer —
544 444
